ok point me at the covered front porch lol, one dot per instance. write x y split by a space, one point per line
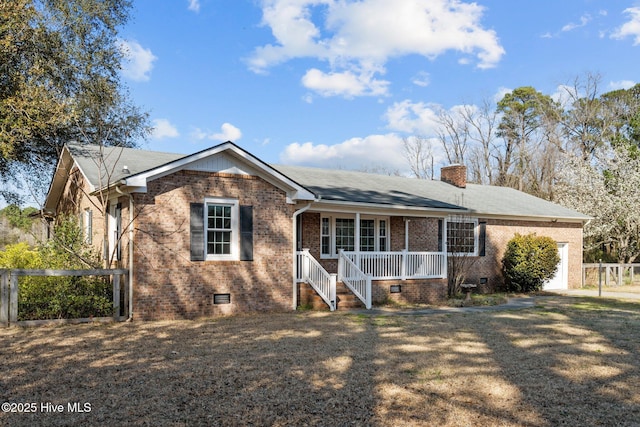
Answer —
372 254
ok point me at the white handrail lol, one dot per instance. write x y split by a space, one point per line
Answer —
355 279
310 271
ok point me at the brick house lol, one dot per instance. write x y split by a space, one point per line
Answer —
220 232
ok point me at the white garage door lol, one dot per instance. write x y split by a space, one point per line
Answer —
561 279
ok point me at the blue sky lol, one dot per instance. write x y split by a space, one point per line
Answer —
339 83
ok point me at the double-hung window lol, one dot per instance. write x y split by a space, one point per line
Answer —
339 233
345 234
221 229
462 237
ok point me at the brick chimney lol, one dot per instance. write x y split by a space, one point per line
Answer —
454 175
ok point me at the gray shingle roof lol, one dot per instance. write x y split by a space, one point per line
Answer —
102 166
341 185
344 186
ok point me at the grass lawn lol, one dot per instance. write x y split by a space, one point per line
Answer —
567 361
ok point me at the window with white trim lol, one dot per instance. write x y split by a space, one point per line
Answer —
382 236
345 234
462 237
221 229
325 236
367 235
338 233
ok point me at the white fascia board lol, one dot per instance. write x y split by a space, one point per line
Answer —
539 218
61 175
92 188
383 209
295 191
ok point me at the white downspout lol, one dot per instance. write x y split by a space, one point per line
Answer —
294 250
131 216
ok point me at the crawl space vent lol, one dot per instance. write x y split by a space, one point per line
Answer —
222 298
395 289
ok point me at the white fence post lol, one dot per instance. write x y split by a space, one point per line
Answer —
620 274
403 265
368 296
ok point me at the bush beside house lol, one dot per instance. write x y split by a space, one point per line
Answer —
529 261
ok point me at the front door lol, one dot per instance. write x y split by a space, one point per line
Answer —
561 279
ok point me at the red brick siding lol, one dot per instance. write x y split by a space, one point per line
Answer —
169 285
499 232
425 291
423 236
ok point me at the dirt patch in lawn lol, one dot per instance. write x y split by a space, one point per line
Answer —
572 361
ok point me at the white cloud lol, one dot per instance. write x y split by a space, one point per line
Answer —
584 20
194 5
346 84
228 132
356 39
621 84
162 128
502 91
631 27
421 79
565 94
138 61
416 118
356 153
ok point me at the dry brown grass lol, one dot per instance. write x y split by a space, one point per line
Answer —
567 361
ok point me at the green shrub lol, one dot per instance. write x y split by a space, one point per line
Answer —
64 297
528 262
19 255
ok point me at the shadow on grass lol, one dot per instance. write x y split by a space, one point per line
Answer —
567 361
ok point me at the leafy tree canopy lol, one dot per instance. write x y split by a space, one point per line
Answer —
59 82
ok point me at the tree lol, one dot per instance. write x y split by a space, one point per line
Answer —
59 82
483 122
528 119
418 152
454 133
608 189
582 120
460 246
622 117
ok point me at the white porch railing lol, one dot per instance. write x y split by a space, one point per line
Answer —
401 265
355 279
310 271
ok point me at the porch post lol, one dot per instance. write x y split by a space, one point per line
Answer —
294 257
406 234
356 234
445 249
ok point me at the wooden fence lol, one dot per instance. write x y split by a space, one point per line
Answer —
610 274
10 287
